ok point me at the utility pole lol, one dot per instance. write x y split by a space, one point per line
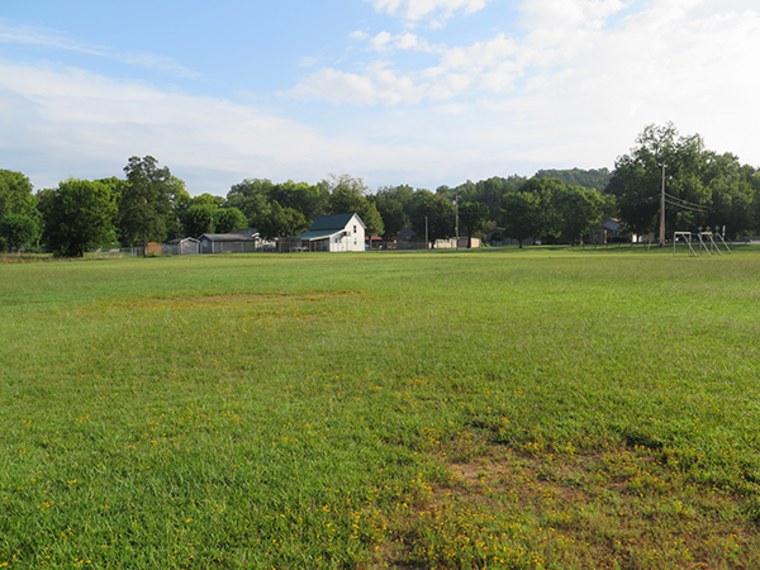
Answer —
456 215
662 207
427 241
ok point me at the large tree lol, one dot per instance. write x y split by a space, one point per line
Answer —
548 217
16 194
207 213
520 215
349 194
433 212
755 182
731 194
310 200
580 210
490 191
472 216
199 219
150 203
637 180
594 178
78 215
394 204
252 196
256 197
18 231
282 221
228 219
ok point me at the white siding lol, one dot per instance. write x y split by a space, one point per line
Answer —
351 238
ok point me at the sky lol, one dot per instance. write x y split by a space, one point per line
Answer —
418 92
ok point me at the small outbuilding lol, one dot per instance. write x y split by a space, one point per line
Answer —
339 232
182 246
611 230
237 241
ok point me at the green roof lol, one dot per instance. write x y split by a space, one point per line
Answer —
335 222
327 226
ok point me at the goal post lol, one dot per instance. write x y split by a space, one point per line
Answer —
709 241
686 238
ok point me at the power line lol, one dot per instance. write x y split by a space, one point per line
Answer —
686 203
701 210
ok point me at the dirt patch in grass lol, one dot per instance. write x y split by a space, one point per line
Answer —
182 302
238 302
619 508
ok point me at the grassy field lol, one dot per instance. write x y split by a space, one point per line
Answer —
545 408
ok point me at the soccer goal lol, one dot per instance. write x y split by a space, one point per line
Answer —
708 243
683 237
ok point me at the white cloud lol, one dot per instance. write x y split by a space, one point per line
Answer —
436 11
70 122
580 80
45 38
376 85
358 36
386 42
83 118
42 37
568 14
381 40
563 91
480 55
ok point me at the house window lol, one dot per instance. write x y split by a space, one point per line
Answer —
354 229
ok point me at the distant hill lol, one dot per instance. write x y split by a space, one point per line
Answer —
595 178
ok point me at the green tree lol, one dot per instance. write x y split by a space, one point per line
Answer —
18 231
207 213
394 206
755 182
252 196
282 221
199 219
210 199
546 192
597 179
16 195
435 210
636 182
310 200
731 194
116 187
520 215
228 219
580 211
472 216
78 215
372 219
489 192
150 203
348 194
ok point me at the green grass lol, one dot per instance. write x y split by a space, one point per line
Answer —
550 407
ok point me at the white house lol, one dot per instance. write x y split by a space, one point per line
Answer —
339 232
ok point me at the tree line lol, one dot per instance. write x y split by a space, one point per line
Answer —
703 189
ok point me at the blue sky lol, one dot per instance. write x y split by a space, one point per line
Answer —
420 92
